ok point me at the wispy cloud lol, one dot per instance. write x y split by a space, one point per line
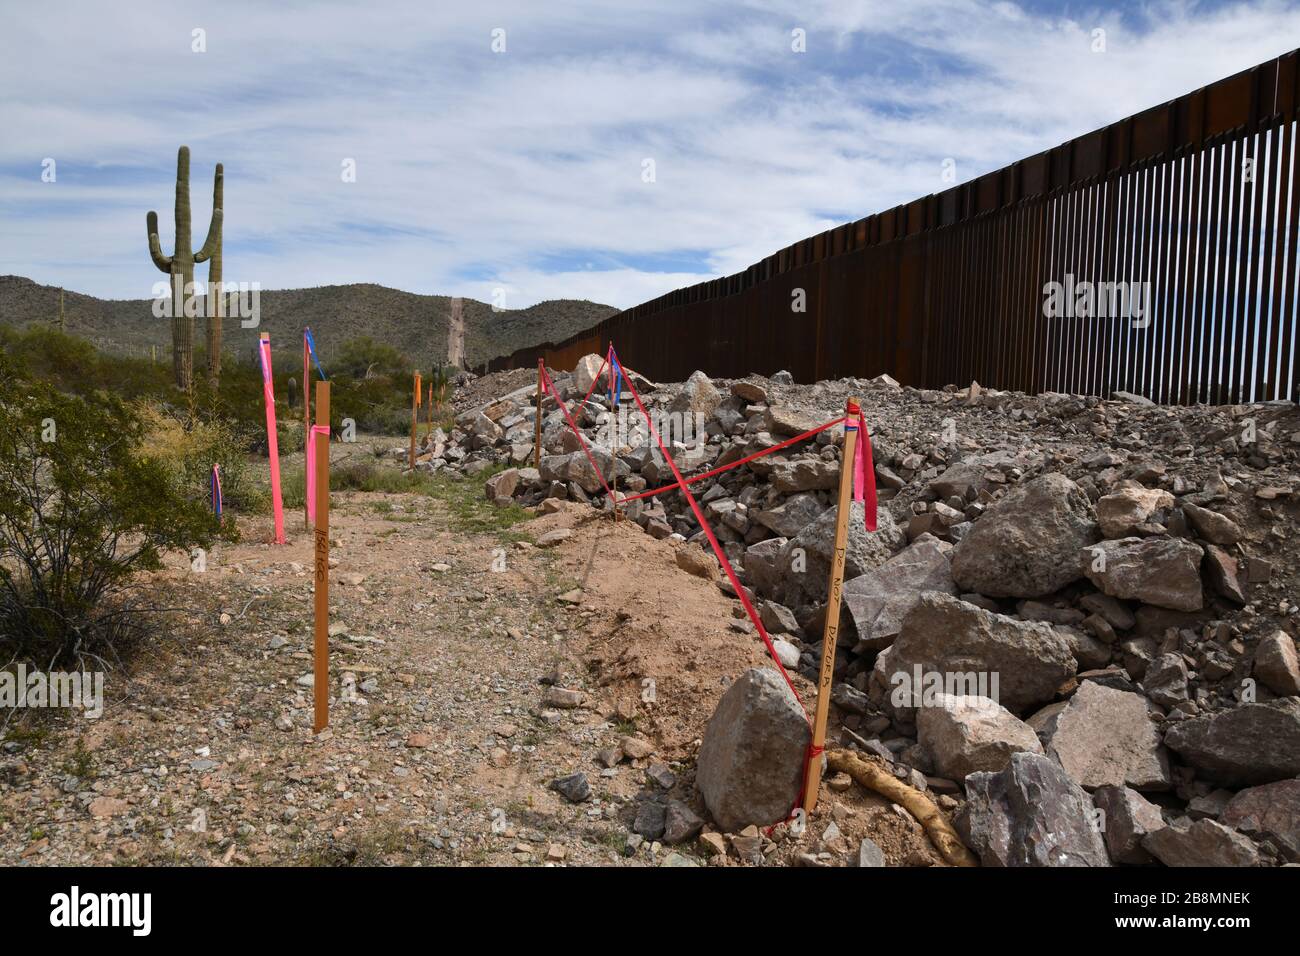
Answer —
479 171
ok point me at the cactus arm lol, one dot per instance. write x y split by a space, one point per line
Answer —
155 247
212 244
214 238
183 201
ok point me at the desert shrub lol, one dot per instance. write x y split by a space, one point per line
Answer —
380 404
188 446
292 488
82 509
72 364
363 357
371 384
368 475
384 419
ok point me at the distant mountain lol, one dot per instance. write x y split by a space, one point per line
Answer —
416 324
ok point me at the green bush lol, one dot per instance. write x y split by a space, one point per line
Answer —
363 357
82 510
369 382
188 446
380 405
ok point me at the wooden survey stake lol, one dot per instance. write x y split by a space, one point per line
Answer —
537 432
321 646
831 630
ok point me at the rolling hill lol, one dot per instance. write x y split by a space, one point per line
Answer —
416 324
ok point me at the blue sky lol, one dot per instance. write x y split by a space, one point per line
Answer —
522 170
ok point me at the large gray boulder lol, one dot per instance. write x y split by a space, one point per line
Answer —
964 735
1106 737
880 599
791 516
804 474
1126 511
968 477
502 484
697 396
1200 843
1027 544
576 466
1272 811
585 372
1030 814
1162 571
765 570
751 760
780 420
811 549
1277 665
1212 526
1127 817
1025 662
1247 744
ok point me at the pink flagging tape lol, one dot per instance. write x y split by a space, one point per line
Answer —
311 475
324 431
272 443
864 470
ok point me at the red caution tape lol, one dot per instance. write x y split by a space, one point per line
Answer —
864 469
736 464
717 548
548 385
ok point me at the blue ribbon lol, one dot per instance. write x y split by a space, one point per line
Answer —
311 348
616 382
216 491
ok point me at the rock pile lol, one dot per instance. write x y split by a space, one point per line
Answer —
1118 577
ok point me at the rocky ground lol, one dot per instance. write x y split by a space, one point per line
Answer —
1119 577
520 679
480 659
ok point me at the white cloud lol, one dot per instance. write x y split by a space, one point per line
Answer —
477 169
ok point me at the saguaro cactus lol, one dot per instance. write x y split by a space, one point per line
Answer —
216 303
180 267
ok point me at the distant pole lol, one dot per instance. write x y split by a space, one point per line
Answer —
831 628
456 334
415 419
321 645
